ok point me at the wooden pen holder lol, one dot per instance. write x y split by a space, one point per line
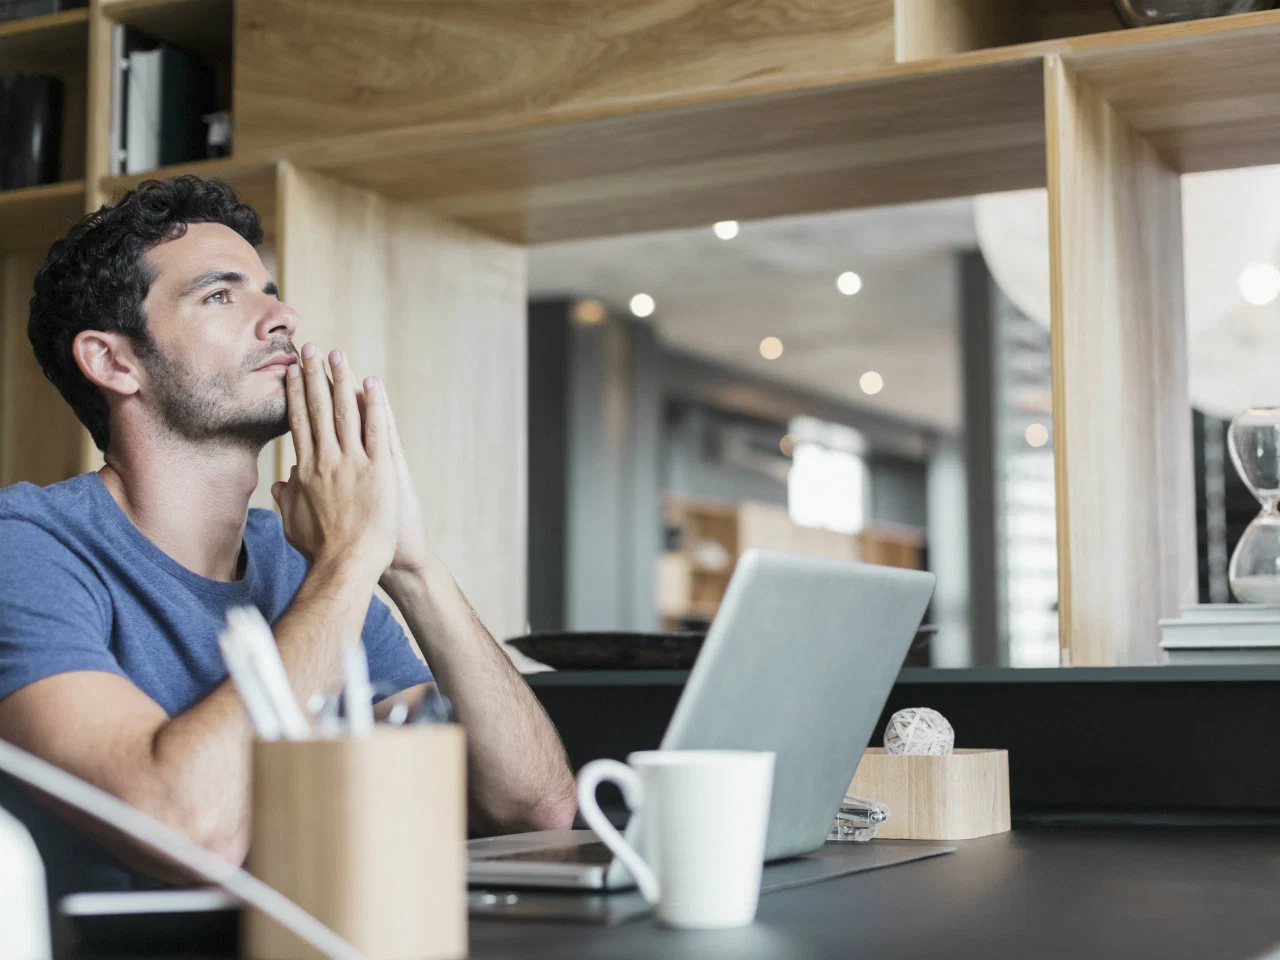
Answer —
958 796
368 835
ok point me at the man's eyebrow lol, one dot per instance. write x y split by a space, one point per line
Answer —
224 276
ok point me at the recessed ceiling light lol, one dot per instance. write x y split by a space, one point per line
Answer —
588 312
1037 435
1259 283
849 283
871 382
726 229
642 305
771 348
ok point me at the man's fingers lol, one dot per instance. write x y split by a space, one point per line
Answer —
375 420
299 420
346 411
394 430
319 402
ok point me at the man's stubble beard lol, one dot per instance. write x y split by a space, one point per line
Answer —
199 410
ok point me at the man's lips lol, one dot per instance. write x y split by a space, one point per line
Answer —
279 363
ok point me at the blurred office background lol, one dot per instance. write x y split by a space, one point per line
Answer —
870 384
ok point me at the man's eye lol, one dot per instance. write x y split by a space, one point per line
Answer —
224 294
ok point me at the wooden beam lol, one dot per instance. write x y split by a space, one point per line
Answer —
919 137
421 61
1122 419
438 311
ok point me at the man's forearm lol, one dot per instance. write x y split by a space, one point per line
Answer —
519 779
204 753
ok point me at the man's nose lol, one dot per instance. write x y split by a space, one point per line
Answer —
279 320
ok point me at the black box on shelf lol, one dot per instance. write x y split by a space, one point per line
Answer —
21 9
31 118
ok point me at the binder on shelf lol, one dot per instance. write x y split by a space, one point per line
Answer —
159 98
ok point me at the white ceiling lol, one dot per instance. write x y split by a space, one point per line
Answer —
719 298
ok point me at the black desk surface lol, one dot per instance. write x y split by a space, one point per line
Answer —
1037 892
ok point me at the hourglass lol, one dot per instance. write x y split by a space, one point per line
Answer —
1254 442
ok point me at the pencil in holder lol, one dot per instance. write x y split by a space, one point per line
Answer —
368 834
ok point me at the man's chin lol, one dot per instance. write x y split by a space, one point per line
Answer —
255 433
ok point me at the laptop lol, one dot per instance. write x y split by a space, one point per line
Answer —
799 660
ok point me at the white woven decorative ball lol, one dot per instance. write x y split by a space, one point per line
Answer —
919 730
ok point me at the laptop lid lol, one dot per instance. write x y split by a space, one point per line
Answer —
799 660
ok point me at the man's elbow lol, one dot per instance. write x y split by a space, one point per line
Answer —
203 823
553 814
546 813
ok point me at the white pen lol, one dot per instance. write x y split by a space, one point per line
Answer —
261 714
264 657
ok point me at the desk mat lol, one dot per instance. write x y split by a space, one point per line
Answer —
831 861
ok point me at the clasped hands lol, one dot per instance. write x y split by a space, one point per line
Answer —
350 498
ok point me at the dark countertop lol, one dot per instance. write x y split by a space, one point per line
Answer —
1046 893
1043 893
1251 673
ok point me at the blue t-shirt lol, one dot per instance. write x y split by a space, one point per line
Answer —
81 588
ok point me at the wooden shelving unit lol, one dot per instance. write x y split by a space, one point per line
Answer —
54 36
491 125
37 216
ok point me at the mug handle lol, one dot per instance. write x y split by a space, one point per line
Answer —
589 779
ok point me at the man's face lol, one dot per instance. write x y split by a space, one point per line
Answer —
216 324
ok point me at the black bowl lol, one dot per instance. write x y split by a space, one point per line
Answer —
612 651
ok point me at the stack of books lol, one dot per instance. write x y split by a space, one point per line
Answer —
1215 633
160 95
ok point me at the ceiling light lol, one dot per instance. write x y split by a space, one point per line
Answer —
771 348
871 382
849 283
1259 283
1037 435
588 312
787 445
642 305
726 229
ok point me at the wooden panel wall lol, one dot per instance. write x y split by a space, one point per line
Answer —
439 312
39 435
1122 419
422 61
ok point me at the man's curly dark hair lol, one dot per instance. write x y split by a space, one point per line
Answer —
95 277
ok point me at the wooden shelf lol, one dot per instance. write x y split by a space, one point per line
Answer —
954 126
33 217
1206 94
922 135
54 37
202 26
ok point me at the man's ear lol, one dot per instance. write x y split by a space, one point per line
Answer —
108 361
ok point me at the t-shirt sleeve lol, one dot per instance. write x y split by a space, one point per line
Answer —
54 611
391 658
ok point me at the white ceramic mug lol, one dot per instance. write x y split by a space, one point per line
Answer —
703 817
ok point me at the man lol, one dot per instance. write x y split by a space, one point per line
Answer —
161 328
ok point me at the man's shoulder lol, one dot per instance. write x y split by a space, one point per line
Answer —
53 509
